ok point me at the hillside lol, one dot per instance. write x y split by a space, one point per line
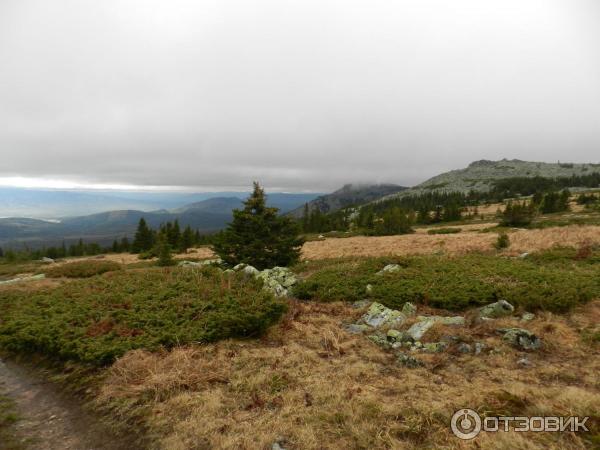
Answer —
348 195
480 174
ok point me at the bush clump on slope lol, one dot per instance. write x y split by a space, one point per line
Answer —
97 320
455 283
82 269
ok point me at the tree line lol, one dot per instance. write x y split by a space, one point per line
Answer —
145 240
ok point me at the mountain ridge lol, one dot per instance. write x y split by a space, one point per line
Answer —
479 175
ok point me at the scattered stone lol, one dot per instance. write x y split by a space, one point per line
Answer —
521 338
479 346
47 260
463 347
250 270
495 310
279 444
41 276
527 317
409 361
379 340
189 264
379 315
206 262
278 280
445 320
360 304
523 255
369 289
435 347
418 329
399 337
390 268
409 309
356 328
524 362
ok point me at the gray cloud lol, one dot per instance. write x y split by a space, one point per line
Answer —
300 95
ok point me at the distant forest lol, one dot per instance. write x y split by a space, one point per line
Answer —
396 215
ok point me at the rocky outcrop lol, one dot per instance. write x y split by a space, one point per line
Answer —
521 338
496 310
206 262
378 316
277 280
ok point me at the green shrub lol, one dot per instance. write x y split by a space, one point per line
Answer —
163 249
502 242
96 321
518 214
444 231
82 269
455 283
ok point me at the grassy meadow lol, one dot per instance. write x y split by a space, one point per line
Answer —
202 359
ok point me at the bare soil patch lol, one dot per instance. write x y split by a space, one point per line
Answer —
52 420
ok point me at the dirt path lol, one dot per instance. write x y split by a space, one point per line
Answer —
51 420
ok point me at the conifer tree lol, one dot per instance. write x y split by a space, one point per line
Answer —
305 218
259 236
143 238
187 239
125 247
163 250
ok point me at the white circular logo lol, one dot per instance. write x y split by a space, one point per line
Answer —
465 424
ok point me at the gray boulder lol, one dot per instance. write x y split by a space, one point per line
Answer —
479 347
390 268
463 347
527 317
250 270
445 320
521 338
496 310
418 329
379 315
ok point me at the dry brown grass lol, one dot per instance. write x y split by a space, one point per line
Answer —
128 258
311 385
453 244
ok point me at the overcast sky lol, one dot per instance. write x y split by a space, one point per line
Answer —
301 95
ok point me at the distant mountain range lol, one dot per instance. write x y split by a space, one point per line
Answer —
56 203
349 195
207 216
